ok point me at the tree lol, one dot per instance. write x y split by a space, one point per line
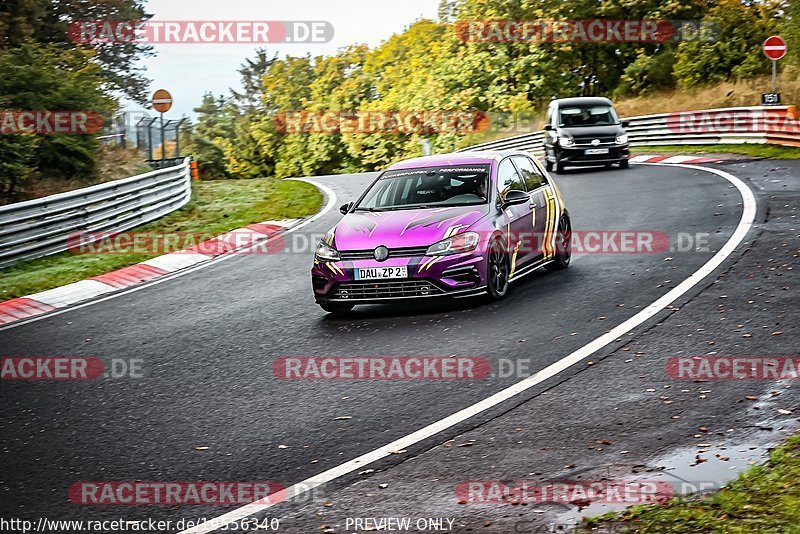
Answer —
47 22
737 51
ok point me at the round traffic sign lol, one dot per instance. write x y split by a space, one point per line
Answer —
162 100
774 47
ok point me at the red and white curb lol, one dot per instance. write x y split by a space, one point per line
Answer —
61 297
654 158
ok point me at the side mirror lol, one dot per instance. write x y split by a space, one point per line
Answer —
344 208
548 127
625 124
513 198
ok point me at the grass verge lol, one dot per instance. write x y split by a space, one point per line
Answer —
216 207
756 151
764 499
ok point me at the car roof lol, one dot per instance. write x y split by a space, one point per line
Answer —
456 158
583 101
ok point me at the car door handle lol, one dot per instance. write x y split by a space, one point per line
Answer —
532 205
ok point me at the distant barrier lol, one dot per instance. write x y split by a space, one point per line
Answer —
758 124
43 226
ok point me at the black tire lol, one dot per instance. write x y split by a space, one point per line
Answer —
608 165
559 167
497 270
563 245
623 164
548 165
336 308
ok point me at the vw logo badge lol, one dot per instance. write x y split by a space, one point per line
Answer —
381 253
595 142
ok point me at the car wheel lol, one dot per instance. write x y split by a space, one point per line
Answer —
559 166
497 271
563 246
548 165
623 164
336 308
608 165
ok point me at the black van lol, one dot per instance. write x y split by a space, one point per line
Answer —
584 131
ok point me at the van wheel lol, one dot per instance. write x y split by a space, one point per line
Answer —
548 165
623 164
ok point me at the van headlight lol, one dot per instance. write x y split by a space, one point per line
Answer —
566 141
466 242
622 139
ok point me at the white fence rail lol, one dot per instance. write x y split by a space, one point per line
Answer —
45 226
768 124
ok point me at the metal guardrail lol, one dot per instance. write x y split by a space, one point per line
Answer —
44 226
758 124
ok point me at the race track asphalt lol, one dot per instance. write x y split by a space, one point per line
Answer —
208 339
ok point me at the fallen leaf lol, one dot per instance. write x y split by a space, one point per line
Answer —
603 442
343 418
383 486
784 412
201 448
283 446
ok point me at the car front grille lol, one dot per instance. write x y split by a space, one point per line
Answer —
385 289
400 252
587 141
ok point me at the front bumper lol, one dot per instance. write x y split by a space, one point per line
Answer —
578 156
458 275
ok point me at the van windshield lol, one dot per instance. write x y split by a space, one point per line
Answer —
587 116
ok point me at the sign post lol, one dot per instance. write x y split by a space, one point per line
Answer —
162 102
774 48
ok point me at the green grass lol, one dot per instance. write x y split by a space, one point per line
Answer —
764 499
757 151
216 207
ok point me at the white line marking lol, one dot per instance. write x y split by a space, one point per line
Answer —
328 206
746 222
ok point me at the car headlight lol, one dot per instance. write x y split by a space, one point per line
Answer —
622 139
566 141
327 252
466 242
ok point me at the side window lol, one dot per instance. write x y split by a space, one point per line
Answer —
531 174
508 178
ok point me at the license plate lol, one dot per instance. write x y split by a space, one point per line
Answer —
378 273
590 151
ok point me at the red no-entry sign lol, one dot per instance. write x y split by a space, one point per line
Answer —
774 47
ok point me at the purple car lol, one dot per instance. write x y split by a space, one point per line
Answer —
450 225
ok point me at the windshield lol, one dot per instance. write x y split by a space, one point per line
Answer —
587 116
427 187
